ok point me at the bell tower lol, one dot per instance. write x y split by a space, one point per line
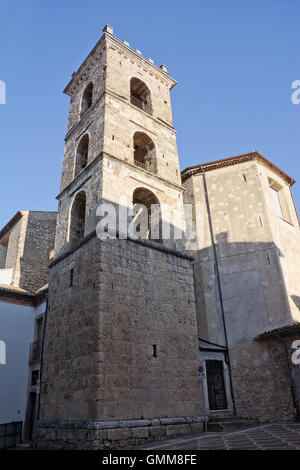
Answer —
120 359
120 138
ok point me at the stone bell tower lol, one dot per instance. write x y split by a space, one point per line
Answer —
120 357
120 139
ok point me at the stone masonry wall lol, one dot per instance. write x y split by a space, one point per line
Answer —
99 362
252 286
30 241
38 244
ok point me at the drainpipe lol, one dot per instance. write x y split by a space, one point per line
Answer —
287 362
38 386
219 289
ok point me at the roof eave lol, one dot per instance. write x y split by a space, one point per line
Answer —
203 167
10 224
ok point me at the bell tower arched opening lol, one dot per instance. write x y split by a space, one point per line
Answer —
77 222
144 152
87 99
82 154
146 214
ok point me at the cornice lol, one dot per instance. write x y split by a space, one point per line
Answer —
125 100
78 178
83 118
154 68
148 173
204 167
84 68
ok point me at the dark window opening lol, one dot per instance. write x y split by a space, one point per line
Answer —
140 95
146 215
154 350
82 154
3 252
39 328
144 152
77 223
34 377
71 277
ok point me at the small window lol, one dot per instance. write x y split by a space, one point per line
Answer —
71 277
77 222
82 154
39 328
276 202
3 252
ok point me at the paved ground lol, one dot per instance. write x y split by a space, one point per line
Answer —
264 437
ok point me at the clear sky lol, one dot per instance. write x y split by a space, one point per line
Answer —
235 62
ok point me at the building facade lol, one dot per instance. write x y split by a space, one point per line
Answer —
134 320
247 282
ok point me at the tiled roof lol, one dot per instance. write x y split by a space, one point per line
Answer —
281 330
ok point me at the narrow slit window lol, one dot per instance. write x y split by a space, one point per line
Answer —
71 277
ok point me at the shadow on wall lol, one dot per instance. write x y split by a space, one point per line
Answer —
143 217
252 290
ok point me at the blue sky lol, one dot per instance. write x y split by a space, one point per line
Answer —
235 62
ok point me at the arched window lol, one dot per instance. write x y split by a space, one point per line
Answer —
77 222
82 154
140 95
146 214
144 152
87 99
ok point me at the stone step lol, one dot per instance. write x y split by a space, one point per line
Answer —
231 424
227 418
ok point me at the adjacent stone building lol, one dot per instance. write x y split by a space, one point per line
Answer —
26 243
247 282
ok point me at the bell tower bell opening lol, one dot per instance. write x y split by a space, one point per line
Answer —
140 95
144 152
146 214
87 99
82 154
